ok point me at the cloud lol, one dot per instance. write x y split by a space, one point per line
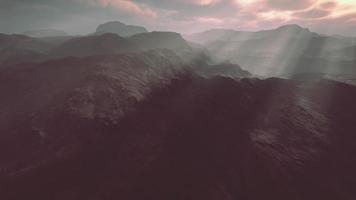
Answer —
328 5
331 16
206 2
312 13
82 16
129 6
210 20
289 4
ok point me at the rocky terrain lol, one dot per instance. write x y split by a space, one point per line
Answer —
152 116
77 86
189 138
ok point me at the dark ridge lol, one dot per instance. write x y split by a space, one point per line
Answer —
209 138
110 43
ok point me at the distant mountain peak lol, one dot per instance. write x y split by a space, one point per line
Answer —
164 34
120 29
114 23
292 27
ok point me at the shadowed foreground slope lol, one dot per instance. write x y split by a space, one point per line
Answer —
189 138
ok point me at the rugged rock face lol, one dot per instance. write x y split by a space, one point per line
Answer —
144 127
120 29
96 88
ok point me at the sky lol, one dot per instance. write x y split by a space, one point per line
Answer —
184 16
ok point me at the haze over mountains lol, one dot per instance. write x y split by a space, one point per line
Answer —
45 33
264 53
124 113
286 50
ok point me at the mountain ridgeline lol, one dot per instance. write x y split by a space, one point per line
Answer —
45 33
124 113
120 28
18 48
110 38
110 43
286 51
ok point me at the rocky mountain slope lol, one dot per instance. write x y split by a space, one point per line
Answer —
190 138
152 116
98 88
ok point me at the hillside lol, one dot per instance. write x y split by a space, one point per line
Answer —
153 116
247 139
96 88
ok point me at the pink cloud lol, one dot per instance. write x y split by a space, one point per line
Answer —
129 6
210 20
313 13
328 5
206 2
289 4
237 14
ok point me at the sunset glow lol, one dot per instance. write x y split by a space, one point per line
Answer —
246 14
188 16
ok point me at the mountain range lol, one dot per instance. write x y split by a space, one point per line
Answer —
110 43
124 113
289 49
